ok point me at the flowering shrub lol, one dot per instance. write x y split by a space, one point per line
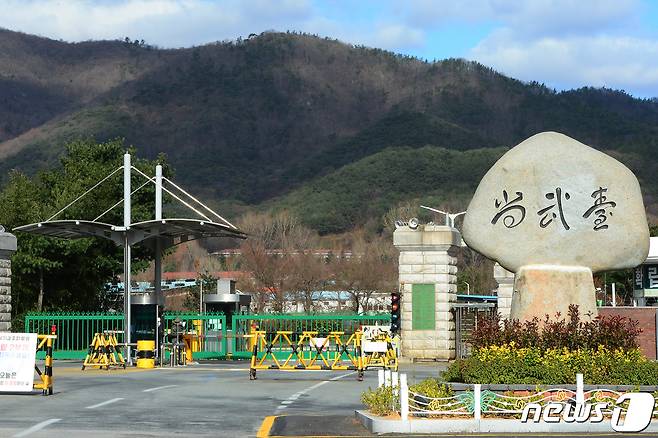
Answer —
613 332
552 352
510 364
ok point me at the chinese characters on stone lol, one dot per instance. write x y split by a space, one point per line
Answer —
600 209
513 212
548 214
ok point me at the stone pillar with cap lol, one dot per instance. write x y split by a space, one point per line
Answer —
505 280
428 286
7 248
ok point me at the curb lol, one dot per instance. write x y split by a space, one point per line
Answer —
377 424
266 426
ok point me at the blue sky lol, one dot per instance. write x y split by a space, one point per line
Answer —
562 43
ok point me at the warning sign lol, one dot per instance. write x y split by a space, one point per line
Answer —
17 352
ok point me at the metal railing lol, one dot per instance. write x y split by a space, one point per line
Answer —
74 330
477 402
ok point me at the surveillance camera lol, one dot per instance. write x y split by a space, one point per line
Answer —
399 224
413 223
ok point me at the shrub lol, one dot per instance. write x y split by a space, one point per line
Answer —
613 332
433 388
510 364
380 401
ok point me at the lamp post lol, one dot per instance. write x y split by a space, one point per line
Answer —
468 287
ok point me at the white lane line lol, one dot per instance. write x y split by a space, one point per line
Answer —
159 387
284 404
37 427
114 400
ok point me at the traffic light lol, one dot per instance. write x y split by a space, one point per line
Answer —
395 312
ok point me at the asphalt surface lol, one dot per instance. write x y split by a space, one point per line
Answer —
208 399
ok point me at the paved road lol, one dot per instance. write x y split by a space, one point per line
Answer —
210 399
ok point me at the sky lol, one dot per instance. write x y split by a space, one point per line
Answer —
561 43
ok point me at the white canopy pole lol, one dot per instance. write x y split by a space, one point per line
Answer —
126 256
158 243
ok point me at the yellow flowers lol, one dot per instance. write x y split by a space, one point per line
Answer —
509 364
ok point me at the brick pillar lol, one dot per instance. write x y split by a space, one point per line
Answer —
427 257
7 248
505 280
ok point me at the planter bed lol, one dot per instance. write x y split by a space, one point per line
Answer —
377 424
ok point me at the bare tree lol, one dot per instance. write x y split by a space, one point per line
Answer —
269 254
308 275
371 268
476 270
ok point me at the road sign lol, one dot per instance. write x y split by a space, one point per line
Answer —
17 361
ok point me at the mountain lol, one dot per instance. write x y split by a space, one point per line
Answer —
283 119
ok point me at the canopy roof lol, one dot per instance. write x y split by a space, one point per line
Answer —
169 231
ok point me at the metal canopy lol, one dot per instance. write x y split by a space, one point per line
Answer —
71 229
170 232
158 234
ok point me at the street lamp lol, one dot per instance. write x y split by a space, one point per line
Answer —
468 287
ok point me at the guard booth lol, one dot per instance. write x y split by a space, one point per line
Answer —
645 280
146 311
228 301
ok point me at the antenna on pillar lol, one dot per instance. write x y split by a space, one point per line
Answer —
450 217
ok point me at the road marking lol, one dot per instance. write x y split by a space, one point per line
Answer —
37 427
159 387
114 400
284 404
265 427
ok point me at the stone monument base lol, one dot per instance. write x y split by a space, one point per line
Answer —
546 289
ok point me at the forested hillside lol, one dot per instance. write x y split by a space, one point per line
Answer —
336 132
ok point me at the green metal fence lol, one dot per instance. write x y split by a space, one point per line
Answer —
74 330
210 328
324 323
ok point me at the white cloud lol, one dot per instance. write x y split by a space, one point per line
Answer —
169 23
529 17
611 61
397 36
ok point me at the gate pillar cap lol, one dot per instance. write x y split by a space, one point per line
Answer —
426 238
7 243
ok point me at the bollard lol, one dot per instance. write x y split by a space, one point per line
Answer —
404 398
48 371
477 398
380 378
580 393
145 354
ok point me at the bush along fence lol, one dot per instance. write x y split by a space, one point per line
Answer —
432 399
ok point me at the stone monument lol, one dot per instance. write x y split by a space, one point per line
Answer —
7 248
553 211
428 286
